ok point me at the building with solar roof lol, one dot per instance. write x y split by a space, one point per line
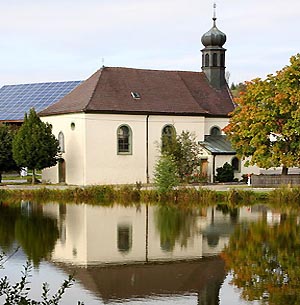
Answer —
15 100
110 125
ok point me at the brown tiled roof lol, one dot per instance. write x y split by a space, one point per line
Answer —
161 92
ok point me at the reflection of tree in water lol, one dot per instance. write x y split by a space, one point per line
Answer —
8 216
174 225
37 234
265 261
218 228
226 209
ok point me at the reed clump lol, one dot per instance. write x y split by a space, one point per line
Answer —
285 195
240 197
128 194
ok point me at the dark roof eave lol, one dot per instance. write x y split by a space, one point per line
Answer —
136 112
224 153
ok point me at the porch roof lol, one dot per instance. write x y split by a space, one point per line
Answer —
217 145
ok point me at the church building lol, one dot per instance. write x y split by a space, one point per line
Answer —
110 126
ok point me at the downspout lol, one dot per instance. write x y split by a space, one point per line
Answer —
147 149
214 168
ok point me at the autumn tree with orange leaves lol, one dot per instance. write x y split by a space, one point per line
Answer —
265 125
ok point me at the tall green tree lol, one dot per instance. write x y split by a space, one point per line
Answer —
165 174
265 126
34 145
185 151
7 162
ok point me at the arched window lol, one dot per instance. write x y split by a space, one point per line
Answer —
206 60
215 131
236 164
168 137
215 60
61 141
124 140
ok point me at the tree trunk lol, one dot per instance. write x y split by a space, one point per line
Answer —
0 177
284 170
33 176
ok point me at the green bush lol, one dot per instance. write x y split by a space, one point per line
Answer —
225 173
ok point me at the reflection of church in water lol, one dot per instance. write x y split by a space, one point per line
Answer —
138 234
142 250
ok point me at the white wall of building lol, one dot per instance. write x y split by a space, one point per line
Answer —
91 148
180 123
75 148
91 154
215 122
104 164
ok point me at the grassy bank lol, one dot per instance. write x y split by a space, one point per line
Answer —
131 194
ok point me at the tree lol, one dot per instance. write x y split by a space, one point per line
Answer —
184 150
265 125
34 145
165 174
7 162
236 89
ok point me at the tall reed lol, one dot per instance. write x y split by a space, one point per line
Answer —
128 194
285 195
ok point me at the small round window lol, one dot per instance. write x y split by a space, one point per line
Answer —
72 125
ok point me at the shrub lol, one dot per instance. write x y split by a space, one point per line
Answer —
225 173
184 150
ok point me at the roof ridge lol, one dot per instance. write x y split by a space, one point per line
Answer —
93 93
153 69
190 93
231 96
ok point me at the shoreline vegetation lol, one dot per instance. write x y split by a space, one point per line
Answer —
130 194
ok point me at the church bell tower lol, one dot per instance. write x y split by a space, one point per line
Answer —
213 55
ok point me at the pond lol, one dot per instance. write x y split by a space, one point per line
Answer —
147 254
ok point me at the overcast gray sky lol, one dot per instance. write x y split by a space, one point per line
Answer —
66 40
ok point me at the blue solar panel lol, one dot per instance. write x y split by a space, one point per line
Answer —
15 100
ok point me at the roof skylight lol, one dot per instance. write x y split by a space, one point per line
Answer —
135 95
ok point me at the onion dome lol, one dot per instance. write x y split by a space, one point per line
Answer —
214 37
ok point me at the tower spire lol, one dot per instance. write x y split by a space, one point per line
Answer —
214 13
213 58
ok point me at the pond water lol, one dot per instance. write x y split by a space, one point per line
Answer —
145 254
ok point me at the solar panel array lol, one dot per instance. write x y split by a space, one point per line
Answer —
15 100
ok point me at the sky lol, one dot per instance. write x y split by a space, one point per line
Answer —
62 40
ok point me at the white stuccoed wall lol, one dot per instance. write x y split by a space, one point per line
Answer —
91 148
74 148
